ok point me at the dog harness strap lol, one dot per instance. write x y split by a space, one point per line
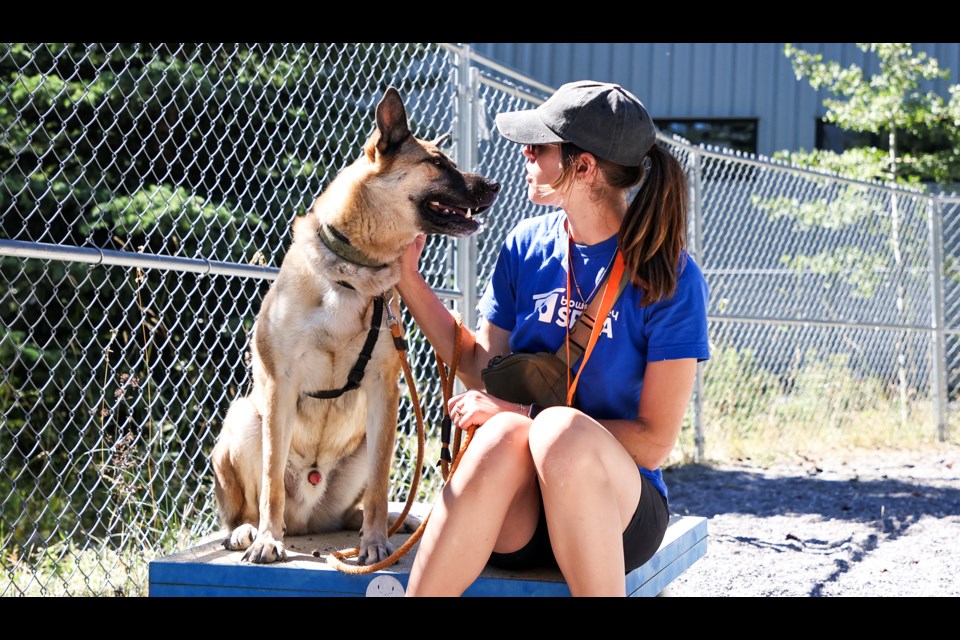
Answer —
356 374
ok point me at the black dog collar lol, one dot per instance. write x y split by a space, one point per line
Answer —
340 245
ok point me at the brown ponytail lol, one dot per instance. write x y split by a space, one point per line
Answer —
654 229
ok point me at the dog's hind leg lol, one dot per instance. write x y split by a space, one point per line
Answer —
354 521
235 458
340 506
410 524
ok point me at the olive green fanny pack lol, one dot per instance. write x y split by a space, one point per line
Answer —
528 378
541 378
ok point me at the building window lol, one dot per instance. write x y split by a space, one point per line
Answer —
739 134
830 137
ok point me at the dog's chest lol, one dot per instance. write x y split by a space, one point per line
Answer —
319 343
331 348
316 346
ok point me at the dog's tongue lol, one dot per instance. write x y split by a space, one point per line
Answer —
314 477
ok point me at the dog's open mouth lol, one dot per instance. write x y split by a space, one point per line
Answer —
451 219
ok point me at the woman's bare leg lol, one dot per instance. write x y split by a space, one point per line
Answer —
491 503
591 489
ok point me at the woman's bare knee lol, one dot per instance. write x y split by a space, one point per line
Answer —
505 430
499 447
575 455
562 438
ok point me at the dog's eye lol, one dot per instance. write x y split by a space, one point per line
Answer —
437 163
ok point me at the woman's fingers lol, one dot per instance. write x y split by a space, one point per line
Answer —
410 259
472 408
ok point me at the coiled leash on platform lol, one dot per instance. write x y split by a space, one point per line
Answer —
336 558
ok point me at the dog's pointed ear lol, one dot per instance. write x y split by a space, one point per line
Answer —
392 125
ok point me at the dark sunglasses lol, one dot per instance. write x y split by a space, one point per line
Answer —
534 150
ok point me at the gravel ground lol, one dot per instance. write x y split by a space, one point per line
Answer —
853 523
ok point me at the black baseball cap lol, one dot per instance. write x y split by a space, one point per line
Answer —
602 118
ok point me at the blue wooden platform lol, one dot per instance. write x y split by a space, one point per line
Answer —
209 570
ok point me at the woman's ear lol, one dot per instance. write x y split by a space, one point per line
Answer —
586 167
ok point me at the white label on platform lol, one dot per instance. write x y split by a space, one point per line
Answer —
384 587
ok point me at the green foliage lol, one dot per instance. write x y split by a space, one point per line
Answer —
255 131
824 390
736 387
889 103
859 232
849 207
862 163
888 99
862 269
114 379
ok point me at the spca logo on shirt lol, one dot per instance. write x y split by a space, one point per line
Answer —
551 307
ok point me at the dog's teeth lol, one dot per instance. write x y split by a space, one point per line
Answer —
469 214
435 204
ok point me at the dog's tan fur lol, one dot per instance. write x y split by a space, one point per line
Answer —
309 332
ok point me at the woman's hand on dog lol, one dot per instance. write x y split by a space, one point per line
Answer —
473 408
410 261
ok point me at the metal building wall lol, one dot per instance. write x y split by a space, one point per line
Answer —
716 80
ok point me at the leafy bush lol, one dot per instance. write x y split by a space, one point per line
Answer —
114 379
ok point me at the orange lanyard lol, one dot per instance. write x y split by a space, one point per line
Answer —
606 304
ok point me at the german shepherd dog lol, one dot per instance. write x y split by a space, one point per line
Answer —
315 437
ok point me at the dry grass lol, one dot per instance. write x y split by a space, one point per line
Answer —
767 440
64 569
98 568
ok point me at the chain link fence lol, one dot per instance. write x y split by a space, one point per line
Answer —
833 305
146 199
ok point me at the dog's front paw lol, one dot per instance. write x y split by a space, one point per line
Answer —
240 538
265 550
373 549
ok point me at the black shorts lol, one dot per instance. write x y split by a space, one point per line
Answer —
641 539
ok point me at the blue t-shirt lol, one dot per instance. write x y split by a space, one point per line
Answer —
526 295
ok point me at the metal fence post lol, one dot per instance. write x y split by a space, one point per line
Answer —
466 156
937 319
694 244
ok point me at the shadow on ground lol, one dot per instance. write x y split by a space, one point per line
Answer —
707 491
767 521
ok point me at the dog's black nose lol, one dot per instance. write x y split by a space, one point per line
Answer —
493 185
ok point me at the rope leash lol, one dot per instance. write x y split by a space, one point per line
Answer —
446 386
336 558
